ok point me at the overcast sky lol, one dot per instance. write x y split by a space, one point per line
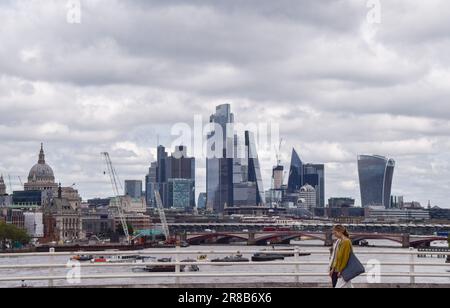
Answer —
337 85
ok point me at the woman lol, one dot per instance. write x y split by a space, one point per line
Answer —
340 257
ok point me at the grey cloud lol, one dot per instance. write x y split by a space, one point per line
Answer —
134 68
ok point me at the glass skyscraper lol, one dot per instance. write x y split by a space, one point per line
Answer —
219 170
151 185
296 173
254 168
314 175
176 167
375 177
307 174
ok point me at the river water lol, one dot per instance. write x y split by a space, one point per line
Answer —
262 267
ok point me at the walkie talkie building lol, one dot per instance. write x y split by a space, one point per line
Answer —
375 179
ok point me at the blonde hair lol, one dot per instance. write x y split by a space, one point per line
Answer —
341 229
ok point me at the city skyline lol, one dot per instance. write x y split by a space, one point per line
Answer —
295 159
337 89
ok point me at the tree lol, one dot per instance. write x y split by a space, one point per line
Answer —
3 235
12 234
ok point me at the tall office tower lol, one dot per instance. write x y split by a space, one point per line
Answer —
162 156
375 177
296 173
314 175
254 168
219 169
181 179
133 189
161 174
181 166
151 185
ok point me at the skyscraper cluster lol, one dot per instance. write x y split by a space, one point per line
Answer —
305 188
302 175
233 175
232 179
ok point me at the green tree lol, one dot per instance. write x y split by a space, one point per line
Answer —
10 233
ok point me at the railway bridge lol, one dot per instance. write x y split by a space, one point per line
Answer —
284 237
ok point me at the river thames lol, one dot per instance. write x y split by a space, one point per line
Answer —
382 246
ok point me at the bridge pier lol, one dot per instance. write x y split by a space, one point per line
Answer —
251 239
328 239
406 240
183 237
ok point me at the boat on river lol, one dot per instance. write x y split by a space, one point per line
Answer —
231 259
167 268
266 257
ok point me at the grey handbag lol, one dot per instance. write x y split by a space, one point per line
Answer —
354 268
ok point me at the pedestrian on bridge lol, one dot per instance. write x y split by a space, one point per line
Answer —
340 257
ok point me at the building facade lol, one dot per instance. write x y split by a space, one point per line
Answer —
181 193
308 197
307 174
341 202
381 214
314 175
34 224
166 171
98 223
2 186
5 201
133 188
62 222
201 204
375 177
138 221
151 185
219 164
296 173
28 199
254 168
128 204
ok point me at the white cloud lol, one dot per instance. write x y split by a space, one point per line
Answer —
134 68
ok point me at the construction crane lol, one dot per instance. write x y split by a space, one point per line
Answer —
10 184
278 152
162 217
119 201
